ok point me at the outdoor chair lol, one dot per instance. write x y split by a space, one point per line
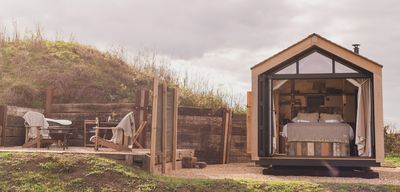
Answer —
38 132
124 129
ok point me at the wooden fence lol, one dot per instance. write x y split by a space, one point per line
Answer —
200 129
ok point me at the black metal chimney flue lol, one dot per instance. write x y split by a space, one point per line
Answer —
356 48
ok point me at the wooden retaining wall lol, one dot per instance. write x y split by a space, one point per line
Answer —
199 129
12 129
78 112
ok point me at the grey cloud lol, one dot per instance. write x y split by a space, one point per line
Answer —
188 29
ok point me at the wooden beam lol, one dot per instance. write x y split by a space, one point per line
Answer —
49 100
229 137
3 124
248 122
164 126
142 101
153 126
225 127
175 128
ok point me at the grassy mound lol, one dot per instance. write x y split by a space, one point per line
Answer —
83 74
73 172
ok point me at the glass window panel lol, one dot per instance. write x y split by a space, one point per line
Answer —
315 63
340 68
291 69
284 86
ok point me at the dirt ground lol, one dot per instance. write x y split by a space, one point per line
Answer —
387 175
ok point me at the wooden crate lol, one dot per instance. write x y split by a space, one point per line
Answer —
317 149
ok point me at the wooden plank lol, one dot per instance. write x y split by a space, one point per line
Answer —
310 149
49 100
92 107
225 127
20 111
164 126
14 132
175 128
3 124
143 102
197 111
248 122
14 121
3 117
153 126
229 137
14 141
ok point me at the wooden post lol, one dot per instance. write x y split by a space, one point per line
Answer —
49 100
229 137
248 122
164 127
142 101
3 124
175 128
225 134
153 126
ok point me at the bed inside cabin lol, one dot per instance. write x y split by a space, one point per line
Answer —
321 117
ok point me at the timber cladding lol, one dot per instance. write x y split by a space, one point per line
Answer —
12 129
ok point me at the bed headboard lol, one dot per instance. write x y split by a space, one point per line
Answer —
330 110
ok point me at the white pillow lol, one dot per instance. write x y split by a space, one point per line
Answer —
324 117
309 117
296 120
332 121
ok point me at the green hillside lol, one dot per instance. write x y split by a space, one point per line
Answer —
81 74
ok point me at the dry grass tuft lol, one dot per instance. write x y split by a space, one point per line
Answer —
29 64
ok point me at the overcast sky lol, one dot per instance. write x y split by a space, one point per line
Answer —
221 39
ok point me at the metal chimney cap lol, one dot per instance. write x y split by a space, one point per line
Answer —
356 48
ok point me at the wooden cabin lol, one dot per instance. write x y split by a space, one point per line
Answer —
316 103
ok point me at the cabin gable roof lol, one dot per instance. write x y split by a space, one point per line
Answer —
322 43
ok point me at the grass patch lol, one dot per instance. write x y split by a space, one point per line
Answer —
392 160
361 187
75 172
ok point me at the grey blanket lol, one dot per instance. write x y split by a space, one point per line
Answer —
319 132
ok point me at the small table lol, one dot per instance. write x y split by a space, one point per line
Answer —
61 133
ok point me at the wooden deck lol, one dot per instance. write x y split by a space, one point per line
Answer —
90 150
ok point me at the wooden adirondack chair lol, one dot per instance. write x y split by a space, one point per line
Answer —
99 141
35 123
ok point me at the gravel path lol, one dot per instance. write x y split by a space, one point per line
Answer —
387 175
